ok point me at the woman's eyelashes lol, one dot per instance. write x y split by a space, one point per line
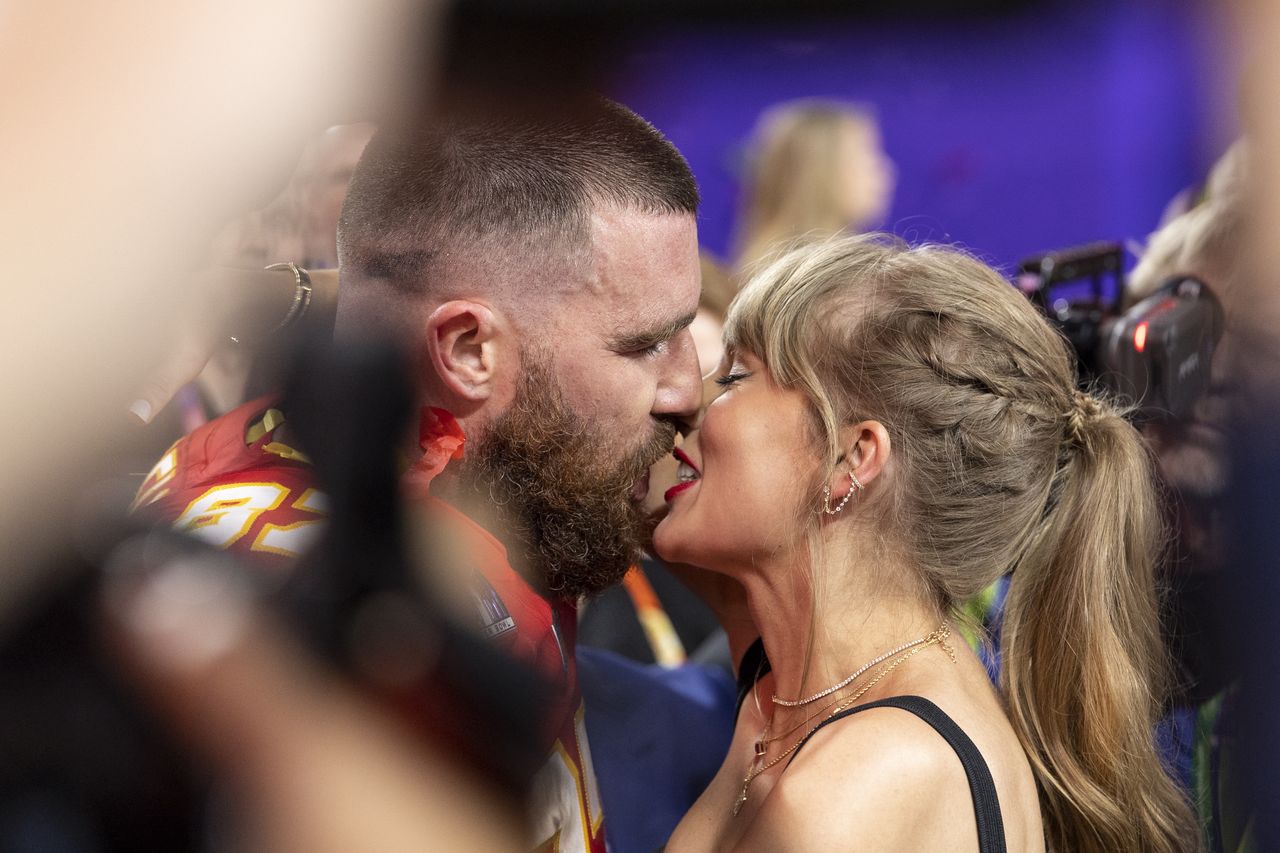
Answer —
731 378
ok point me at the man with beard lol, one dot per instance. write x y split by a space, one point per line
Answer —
543 274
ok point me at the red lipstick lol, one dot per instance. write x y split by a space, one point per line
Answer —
680 454
685 485
677 489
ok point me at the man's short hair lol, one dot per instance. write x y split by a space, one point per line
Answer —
456 190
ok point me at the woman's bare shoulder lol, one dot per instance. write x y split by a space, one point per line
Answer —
881 779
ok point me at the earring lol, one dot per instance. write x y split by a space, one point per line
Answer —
855 486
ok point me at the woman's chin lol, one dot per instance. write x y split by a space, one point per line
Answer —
668 541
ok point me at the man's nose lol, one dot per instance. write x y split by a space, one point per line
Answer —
709 391
688 424
680 387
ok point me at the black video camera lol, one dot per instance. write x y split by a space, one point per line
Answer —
1155 355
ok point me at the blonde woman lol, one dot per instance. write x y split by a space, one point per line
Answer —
815 168
896 429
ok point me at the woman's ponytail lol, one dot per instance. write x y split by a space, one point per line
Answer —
1084 668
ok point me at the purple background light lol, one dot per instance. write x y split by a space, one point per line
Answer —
1062 124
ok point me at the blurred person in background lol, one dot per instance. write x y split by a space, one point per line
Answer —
301 223
1209 243
814 169
1252 587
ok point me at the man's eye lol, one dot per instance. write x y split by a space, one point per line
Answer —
730 379
654 349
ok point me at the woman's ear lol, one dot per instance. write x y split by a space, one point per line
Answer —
867 453
462 348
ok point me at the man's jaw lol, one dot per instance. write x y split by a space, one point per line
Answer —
659 448
640 490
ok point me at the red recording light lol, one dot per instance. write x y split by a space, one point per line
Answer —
1140 337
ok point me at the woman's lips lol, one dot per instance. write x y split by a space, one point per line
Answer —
680 454
677 489
683 485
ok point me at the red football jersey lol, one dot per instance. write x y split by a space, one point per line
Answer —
234 485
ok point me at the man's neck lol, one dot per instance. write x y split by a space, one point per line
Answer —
448 488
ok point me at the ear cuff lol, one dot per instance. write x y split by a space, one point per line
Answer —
827 508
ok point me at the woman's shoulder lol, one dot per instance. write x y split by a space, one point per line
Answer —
882 776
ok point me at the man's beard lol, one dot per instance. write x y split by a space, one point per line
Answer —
561 486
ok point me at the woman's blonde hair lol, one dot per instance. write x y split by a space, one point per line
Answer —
793 183
1002 466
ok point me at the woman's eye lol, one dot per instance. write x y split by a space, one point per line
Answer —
729 379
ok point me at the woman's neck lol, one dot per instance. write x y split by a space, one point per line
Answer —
860 615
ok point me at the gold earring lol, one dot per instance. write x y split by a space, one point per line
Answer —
854 486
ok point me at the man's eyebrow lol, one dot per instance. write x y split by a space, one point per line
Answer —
631 341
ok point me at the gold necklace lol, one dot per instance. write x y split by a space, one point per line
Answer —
792 703
768 738
938 637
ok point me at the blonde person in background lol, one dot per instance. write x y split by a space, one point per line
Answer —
815 168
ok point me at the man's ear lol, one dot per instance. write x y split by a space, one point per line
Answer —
462 346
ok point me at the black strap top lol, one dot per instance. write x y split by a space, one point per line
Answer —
753 667
986 804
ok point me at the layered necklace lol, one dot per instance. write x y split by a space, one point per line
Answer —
894 658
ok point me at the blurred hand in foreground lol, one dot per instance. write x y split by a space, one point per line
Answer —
313 766
222 303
